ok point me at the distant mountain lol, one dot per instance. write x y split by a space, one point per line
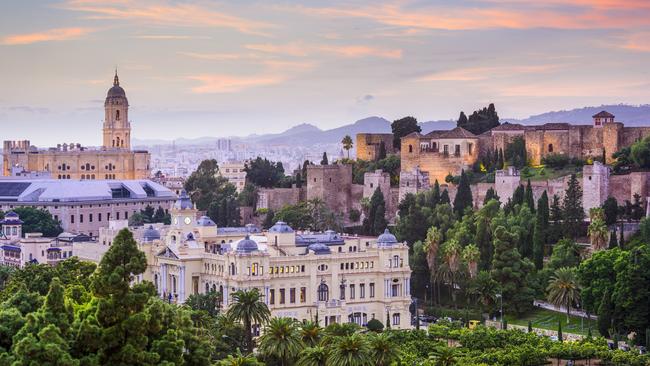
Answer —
306 134
630 115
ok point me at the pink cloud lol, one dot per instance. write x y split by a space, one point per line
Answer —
484 73
58 34
638 42
298 49
163 13
220 83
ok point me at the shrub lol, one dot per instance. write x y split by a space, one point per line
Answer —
374 325
555 161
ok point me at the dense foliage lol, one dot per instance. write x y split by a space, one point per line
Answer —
479 121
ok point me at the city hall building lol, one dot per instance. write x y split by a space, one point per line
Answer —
327 276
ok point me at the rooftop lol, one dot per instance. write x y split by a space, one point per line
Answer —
64 190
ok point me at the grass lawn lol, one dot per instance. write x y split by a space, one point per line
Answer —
550 173
547 319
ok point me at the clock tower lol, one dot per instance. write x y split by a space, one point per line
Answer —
184 213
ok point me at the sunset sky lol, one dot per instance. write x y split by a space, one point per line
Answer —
206 68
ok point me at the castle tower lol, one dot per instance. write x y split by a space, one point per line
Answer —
117 129
602 117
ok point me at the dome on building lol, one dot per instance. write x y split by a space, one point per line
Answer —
11 218
205 221
184 202
189 237
250 228
116 90
11 214
331 235
386 239
151 234
319 248
246 245
280 227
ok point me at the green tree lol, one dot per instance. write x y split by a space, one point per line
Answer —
610 208
540 230
564 290
613 241
324 160
528 197
597 229
463 197
485 290
375 222
350 350
491 194
265 173
248 195
38 221
248 308
202 182
313 356
640 153
347 144
403 127
483 237
310 333
572 211
209 302
269 219
240 360
383 350
162 216
480 121
511 271
281 341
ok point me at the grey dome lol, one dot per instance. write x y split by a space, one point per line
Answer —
151 234
319 248
280 227
331 235
184 202
386 239
205 221
116 90
246 245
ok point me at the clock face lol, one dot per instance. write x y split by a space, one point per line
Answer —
175 220
188 221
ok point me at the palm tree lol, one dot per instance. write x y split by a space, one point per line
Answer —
598 232
384 351
485 289
335 331
312 356
281 341
431 245
563 289
449 270
347 144
239 360
443 356
471 255
310 332
249 309
351 350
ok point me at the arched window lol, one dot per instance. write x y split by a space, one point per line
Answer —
323 292
117 115
550 148
410 148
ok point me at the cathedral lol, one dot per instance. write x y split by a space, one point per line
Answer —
113 160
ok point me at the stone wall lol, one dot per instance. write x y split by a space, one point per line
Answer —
332 184
276 198
595 184
368 145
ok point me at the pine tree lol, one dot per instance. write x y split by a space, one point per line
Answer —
462 120
491 194
324 160
463 197
572 210
528 197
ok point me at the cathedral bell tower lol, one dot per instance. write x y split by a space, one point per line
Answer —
116 129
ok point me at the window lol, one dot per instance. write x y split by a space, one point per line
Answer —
457 150
255 269
394 290
371 288
81 218
550 148
470 147
396 319
117 215
272 296
303 294
410 148
72 219
282 298
362 291
99 217
292 295
90 217
323 292
445 150
352 292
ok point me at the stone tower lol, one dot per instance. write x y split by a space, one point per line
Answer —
117 129
595 185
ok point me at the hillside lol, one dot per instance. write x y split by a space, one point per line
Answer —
629 114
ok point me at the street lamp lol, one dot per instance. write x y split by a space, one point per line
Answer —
500 297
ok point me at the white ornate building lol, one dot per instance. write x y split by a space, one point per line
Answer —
326 276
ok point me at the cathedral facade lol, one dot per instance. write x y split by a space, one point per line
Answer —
113 160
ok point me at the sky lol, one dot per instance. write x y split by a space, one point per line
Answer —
209 68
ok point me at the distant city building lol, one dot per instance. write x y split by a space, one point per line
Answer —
84 206
224 145
330 276
114 160
235 173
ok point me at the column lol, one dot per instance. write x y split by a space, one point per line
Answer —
163 278
266 295
225 295
181 297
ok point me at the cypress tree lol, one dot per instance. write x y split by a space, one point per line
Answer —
559 331
518 196
491 194
382 151
379 222
613 242
530 326
501 160
298 180
621 239
324 160
540 230
572 210
463 197
529 200
444 197
376 213
435 196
